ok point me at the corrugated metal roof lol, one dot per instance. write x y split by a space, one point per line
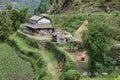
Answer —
43 20
36 18
38 26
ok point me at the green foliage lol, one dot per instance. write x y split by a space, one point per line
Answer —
9 6
118 78
10 21
30 54
97 43
31 42
5 25
59 55
24 14
85 6
71 75
12 66
43 6
68 22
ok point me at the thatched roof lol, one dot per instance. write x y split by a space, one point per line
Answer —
78 36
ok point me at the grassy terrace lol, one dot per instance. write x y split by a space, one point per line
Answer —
32 55
13 67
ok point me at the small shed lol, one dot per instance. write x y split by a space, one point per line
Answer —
61 36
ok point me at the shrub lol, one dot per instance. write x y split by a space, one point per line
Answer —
71 75
118 78
31 42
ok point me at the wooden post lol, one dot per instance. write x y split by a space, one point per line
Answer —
73 46
70 45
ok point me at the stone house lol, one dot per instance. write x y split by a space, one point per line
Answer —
39 25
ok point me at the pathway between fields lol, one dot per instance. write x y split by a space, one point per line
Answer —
74 59
50 65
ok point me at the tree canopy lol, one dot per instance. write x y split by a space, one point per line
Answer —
97 44
10 20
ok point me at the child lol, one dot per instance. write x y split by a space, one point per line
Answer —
60 69
58 64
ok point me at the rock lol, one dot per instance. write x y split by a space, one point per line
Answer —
104 73
85 73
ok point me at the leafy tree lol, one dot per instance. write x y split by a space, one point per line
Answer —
5 25
10 21
97 43
23 14
9 7
43 6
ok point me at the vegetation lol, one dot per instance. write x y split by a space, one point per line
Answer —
19 4
72 22
84 6
97 43
12 66
71 75
59 56
118 78
103 32
10 21
32 55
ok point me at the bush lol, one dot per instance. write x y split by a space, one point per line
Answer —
31 42
71 75
118 78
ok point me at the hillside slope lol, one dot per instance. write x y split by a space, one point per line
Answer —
17 4
85 6
12 67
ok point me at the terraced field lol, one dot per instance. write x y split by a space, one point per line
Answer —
12 67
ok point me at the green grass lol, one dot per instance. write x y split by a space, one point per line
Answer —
54 61
13 67
71 22
32 55
22 44
111 76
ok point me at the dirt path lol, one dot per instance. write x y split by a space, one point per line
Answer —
74 59
50 65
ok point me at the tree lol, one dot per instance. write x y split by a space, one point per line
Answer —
5 25
97 43
10 20
43 6
23 14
